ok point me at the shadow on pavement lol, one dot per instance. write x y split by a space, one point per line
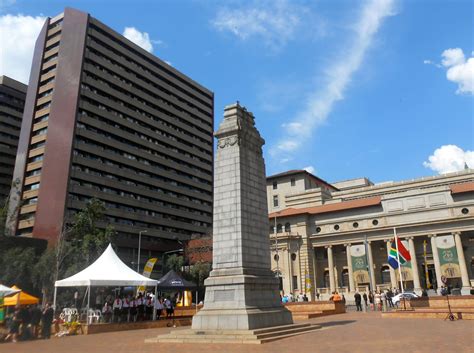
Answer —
336 323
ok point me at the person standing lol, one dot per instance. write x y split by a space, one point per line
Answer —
365 299
117 307
378 301
35 320
46 321
358 301
14 326
389 297
371 300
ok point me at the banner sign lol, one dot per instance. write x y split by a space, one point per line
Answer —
359 264
307 282
147 271
448 256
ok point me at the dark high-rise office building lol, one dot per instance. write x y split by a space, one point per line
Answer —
12 101
106 119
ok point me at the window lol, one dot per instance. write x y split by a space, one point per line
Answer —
295 282
287 227
345 278
385 274
293 257
275 185
275 201
293 182
279 228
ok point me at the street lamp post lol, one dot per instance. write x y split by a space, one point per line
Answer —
139 248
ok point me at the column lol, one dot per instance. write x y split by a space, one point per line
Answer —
434 250
332 284
349 267
414 266
371 266
393 276
466 284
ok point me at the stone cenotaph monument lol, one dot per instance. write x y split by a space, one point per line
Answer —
242 292
242 302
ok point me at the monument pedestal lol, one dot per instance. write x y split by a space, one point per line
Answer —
241 302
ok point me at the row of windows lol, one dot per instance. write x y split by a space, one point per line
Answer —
140 107
12 102
7 124
140 172
9 136
162 90
141 211
279 228
135 196
189 136
135 157
168 147
154 64
140 185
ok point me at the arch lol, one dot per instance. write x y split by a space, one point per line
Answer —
385 274
345 278
279 228
326 283
287 227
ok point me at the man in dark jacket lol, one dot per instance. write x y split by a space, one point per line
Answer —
365 299
358 301
35 320
46 321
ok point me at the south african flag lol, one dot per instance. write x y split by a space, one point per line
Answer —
403 254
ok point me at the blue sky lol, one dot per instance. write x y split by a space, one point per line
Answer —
376 88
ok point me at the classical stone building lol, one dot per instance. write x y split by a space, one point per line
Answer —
328 235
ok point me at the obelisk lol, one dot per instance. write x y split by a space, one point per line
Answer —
242 293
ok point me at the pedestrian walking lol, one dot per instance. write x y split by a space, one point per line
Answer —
365 299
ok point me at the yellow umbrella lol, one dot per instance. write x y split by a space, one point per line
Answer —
21 298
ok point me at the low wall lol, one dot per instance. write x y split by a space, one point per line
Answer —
125 326
317 306
441 302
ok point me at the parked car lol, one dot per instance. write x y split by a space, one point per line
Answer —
407 295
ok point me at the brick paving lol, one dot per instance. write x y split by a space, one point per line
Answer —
351 332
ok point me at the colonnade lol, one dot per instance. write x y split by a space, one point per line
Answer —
466 285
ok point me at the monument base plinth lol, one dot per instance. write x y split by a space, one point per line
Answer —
259 336
241 319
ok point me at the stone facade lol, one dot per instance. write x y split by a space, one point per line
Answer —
313 238
241 291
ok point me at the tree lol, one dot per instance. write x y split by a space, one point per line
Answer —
199 272
17 267
175 263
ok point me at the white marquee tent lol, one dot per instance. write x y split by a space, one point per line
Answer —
107 270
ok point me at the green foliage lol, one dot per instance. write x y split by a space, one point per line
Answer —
199 272
79 244
17 267
3 216
175 263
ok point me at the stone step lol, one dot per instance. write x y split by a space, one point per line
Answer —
257 336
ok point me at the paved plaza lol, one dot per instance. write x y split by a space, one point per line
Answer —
351 332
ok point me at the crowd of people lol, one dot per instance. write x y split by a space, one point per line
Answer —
289 298
128 308
30 322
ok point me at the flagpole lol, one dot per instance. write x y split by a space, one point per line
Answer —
398 259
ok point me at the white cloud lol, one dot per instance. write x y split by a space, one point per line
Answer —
449 158
18 34
275 22
320 102
141 39
310 169
288 146
459 70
